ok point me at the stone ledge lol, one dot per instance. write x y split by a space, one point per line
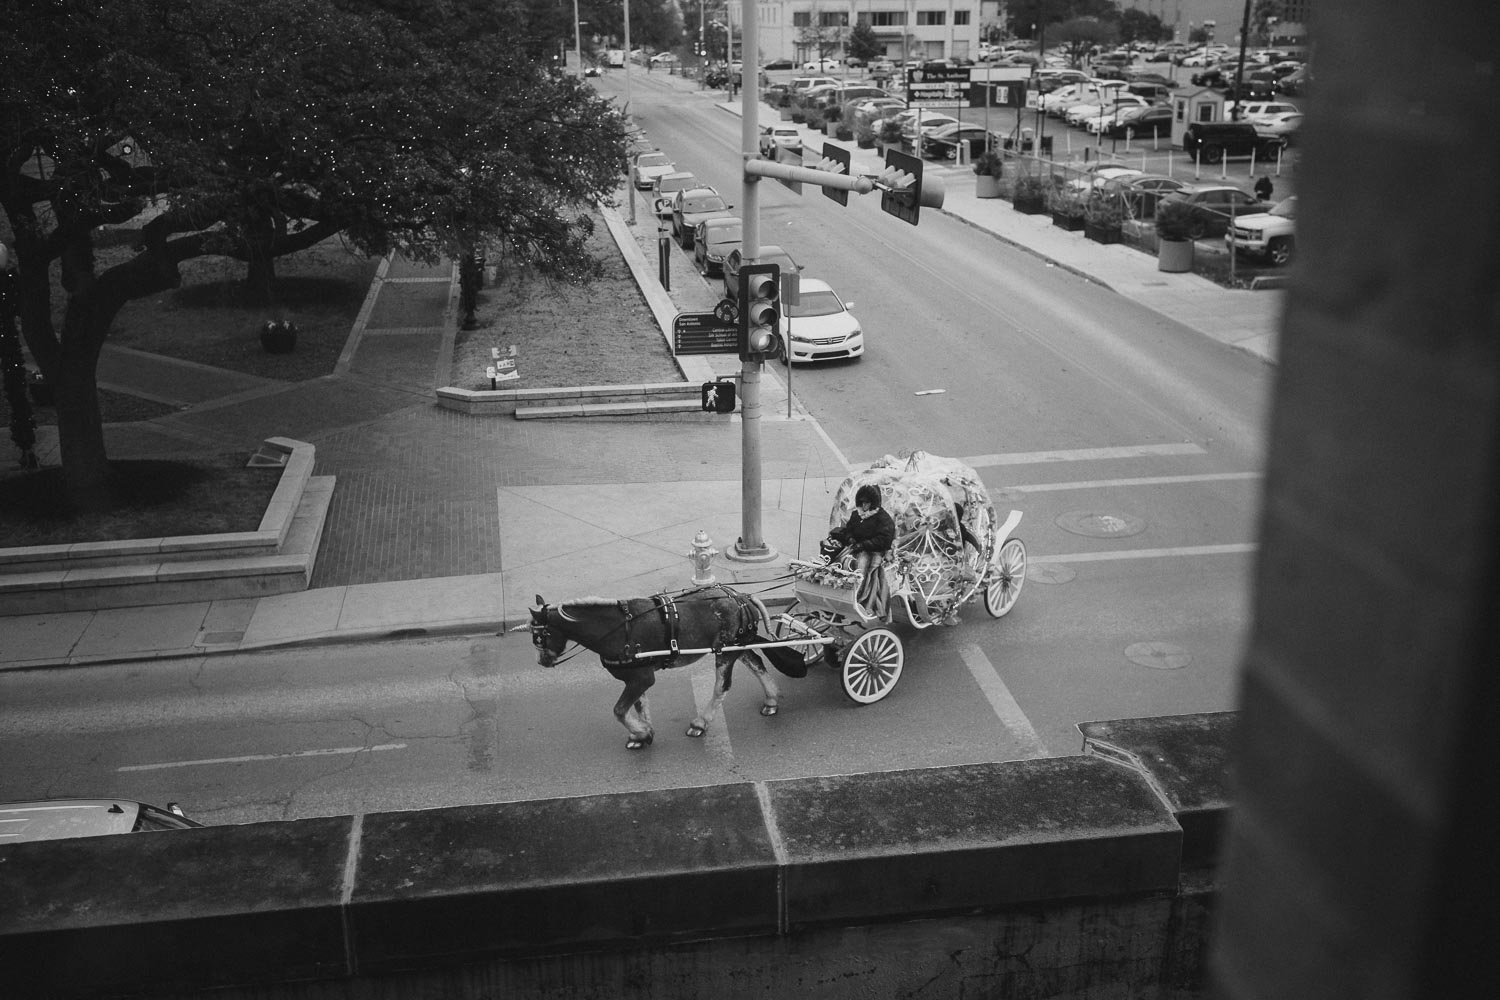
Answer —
330 899
185 569
267 539
568 400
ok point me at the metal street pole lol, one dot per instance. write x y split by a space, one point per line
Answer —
750 546
577 39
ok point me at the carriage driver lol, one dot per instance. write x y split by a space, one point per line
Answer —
867 536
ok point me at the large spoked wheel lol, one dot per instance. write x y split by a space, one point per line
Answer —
785 628
872 666
1007 576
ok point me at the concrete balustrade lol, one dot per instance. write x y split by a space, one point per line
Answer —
1061 871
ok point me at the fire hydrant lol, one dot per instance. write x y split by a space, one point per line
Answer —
701 555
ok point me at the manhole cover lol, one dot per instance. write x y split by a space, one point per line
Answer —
1157 655
220 638
1050 573
1100 524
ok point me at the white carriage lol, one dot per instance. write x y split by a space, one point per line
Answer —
950 548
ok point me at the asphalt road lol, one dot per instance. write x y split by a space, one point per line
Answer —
1131 444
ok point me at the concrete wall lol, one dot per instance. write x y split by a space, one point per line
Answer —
1060 877
1366 818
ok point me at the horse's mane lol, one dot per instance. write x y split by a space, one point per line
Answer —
589 601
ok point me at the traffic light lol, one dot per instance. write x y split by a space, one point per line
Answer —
903 190
760 312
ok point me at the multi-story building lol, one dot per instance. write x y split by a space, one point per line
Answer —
913 30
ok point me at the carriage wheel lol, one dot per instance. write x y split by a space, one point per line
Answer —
784 627
1006 578
872 666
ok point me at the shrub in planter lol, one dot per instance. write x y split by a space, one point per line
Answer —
799 117
1174 222
843 133
278 336
1104 217
890 133
989 167
1030 195
1067 212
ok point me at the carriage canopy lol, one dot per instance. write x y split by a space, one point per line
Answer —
927 495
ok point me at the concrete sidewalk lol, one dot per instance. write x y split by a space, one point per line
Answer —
584 506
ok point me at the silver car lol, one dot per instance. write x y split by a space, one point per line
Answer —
60 819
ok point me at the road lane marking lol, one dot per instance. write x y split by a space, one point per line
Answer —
1002 701
716 737
322 752
1236 548
1082 454
1100 484
1064 455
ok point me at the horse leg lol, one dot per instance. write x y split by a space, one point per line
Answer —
630 709
767 682
723 665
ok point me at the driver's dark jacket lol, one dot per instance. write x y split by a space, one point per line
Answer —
876 533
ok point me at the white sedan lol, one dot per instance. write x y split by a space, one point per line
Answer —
823 65
820 326
650 165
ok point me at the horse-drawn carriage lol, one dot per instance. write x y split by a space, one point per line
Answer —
950 548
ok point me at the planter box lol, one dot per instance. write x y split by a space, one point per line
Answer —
866 143
986 186
785 113
1174 256
1071 223
1101 233
1030 205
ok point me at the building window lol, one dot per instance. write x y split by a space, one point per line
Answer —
931 18
887 18
837 19
801 18
960 17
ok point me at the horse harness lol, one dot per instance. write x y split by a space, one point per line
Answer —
746 619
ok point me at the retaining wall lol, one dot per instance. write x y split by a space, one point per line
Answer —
1061 877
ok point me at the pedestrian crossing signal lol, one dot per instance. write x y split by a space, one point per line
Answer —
718 397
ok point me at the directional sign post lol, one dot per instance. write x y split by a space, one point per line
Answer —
704 333
941 87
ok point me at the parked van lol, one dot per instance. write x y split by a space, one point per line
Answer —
1210 142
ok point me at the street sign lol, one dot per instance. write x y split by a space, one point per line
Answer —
939 87
703 333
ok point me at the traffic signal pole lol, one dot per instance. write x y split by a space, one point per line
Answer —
751 545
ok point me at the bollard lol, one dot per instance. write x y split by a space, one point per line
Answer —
701 555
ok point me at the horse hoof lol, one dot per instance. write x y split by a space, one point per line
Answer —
636 744
768 710
696 730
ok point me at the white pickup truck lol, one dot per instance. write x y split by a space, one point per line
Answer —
1268 234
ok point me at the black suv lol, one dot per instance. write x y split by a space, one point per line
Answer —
1212 141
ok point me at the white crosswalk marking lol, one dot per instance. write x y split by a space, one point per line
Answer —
1002 701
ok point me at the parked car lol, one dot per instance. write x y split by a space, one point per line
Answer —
779 64
942 143
1210 142
1140 122
665 188
801 84
1212 206
1271 235
820 326
713 241
827 64
1101 174
1253 111
931 121
61 819
774 138
769 254
692 206
648 166
665 59
1146 191
1079 114
1280 127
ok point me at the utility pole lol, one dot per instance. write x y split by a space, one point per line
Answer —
751 545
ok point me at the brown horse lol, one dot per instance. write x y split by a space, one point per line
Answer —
622 632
